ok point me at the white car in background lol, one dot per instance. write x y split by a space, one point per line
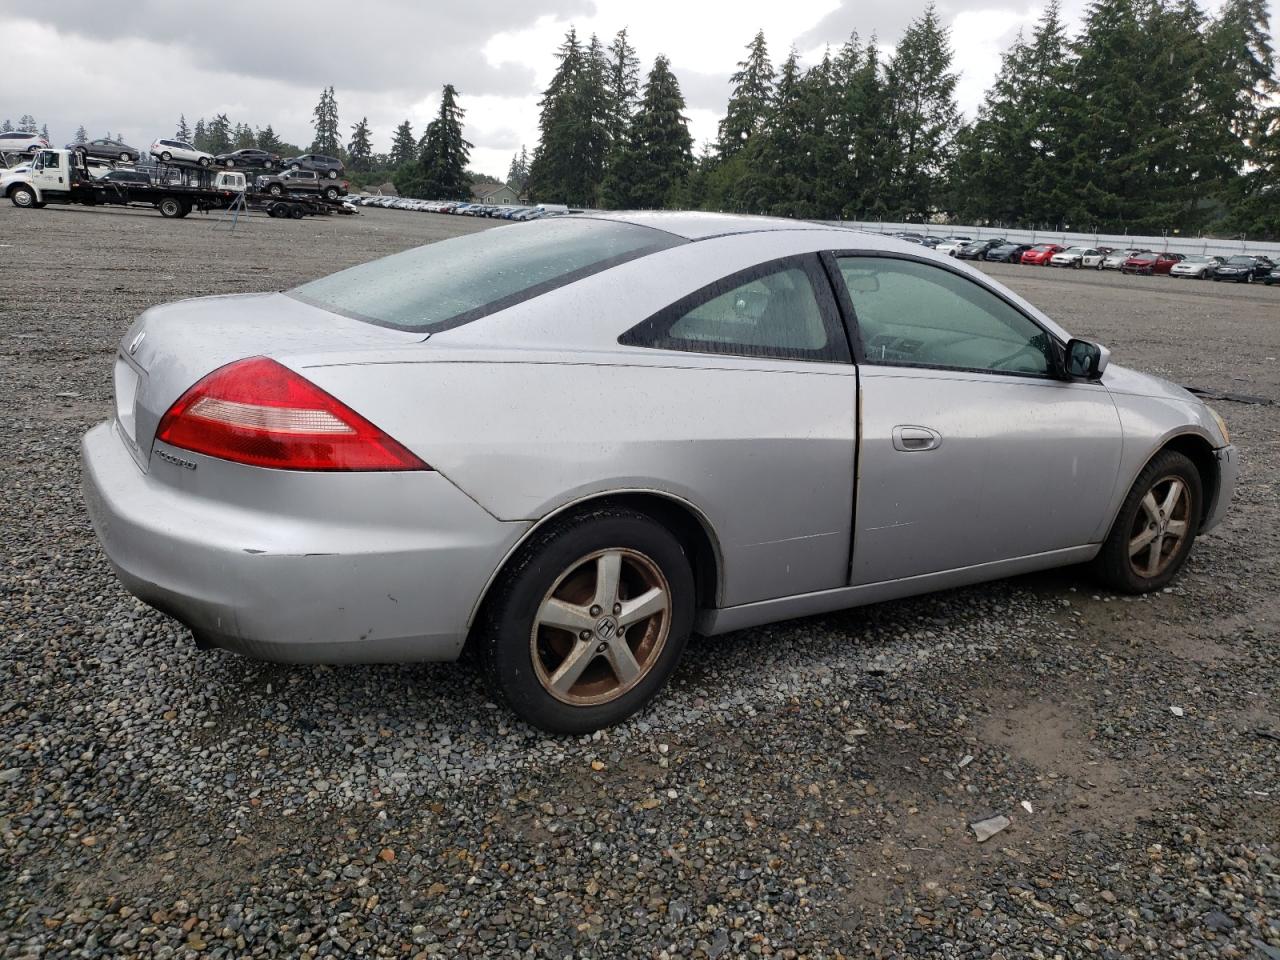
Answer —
1077 257
168 150
950 245
22 142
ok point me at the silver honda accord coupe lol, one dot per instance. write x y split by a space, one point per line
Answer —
570 443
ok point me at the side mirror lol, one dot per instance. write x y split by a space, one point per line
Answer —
1086 360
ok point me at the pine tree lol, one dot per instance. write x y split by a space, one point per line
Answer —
325 122
82 135
360 149
200 138
622 83
750 101
518 172
27 124
183 132
554 172
442 167
267 140
923 116
7 126
404 148
653 170
44 131
218 134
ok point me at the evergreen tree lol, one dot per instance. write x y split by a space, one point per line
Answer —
923 117
360 149
183 132
267 140
750 101
622 82
218 134
653 170
442 167
404 148
200 138
44 131
568 163
82 134
27 124
7 126
518 172
325 121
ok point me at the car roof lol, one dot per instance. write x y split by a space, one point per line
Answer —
697 225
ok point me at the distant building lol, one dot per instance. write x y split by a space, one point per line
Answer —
493 193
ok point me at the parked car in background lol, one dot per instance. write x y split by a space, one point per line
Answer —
1041 254
1243 269
107 149
949 245
1150 263
1077 257
1199 267
129 177
248 157
1272 277
18 142
168 150
1116 258
269 479
1007 252
977 249
330 167
309 181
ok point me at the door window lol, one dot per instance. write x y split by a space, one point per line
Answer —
915 314
773 310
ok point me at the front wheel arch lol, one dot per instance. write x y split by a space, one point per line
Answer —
688 523
1200 452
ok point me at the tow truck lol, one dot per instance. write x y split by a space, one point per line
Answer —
176 188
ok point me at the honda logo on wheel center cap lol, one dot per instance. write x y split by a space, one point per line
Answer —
605 627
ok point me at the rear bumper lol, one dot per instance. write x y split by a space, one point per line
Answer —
1228 470
295 567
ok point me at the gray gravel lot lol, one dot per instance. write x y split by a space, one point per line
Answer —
803 790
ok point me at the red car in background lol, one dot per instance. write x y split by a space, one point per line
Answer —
1041 253
1150 263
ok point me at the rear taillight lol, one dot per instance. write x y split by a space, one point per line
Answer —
261 413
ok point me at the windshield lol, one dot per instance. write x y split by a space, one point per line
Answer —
446 284
1241 261
1075 251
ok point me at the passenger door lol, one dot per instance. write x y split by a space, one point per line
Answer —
972 450
50 175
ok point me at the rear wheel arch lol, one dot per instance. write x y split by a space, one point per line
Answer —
689 525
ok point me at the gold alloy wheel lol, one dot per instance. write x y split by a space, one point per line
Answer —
1160 526
601 627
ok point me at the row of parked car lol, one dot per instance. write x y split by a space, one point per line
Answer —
499 211
1135 260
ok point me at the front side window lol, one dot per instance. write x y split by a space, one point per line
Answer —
773 310
917 314
451 282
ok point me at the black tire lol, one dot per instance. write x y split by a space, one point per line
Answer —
505 630
333 174
297 212
125 158
1114 565
166 156
331 193
24 197
276 190
170 207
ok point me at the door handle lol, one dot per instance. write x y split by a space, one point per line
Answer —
910 438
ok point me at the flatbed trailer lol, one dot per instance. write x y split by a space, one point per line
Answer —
60 176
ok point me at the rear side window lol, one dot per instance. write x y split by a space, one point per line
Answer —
782 310
451 282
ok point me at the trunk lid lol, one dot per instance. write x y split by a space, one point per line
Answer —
170 347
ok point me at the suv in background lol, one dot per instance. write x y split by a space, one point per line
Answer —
170 150
19 142
330 167
299 181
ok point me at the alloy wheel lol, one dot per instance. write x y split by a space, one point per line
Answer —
601 627
1159 527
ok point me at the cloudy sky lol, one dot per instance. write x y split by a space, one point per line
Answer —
134 67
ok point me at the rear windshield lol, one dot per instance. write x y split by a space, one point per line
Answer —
446 284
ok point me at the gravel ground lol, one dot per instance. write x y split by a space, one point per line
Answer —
802 790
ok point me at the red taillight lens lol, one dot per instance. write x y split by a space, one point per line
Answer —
262 413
